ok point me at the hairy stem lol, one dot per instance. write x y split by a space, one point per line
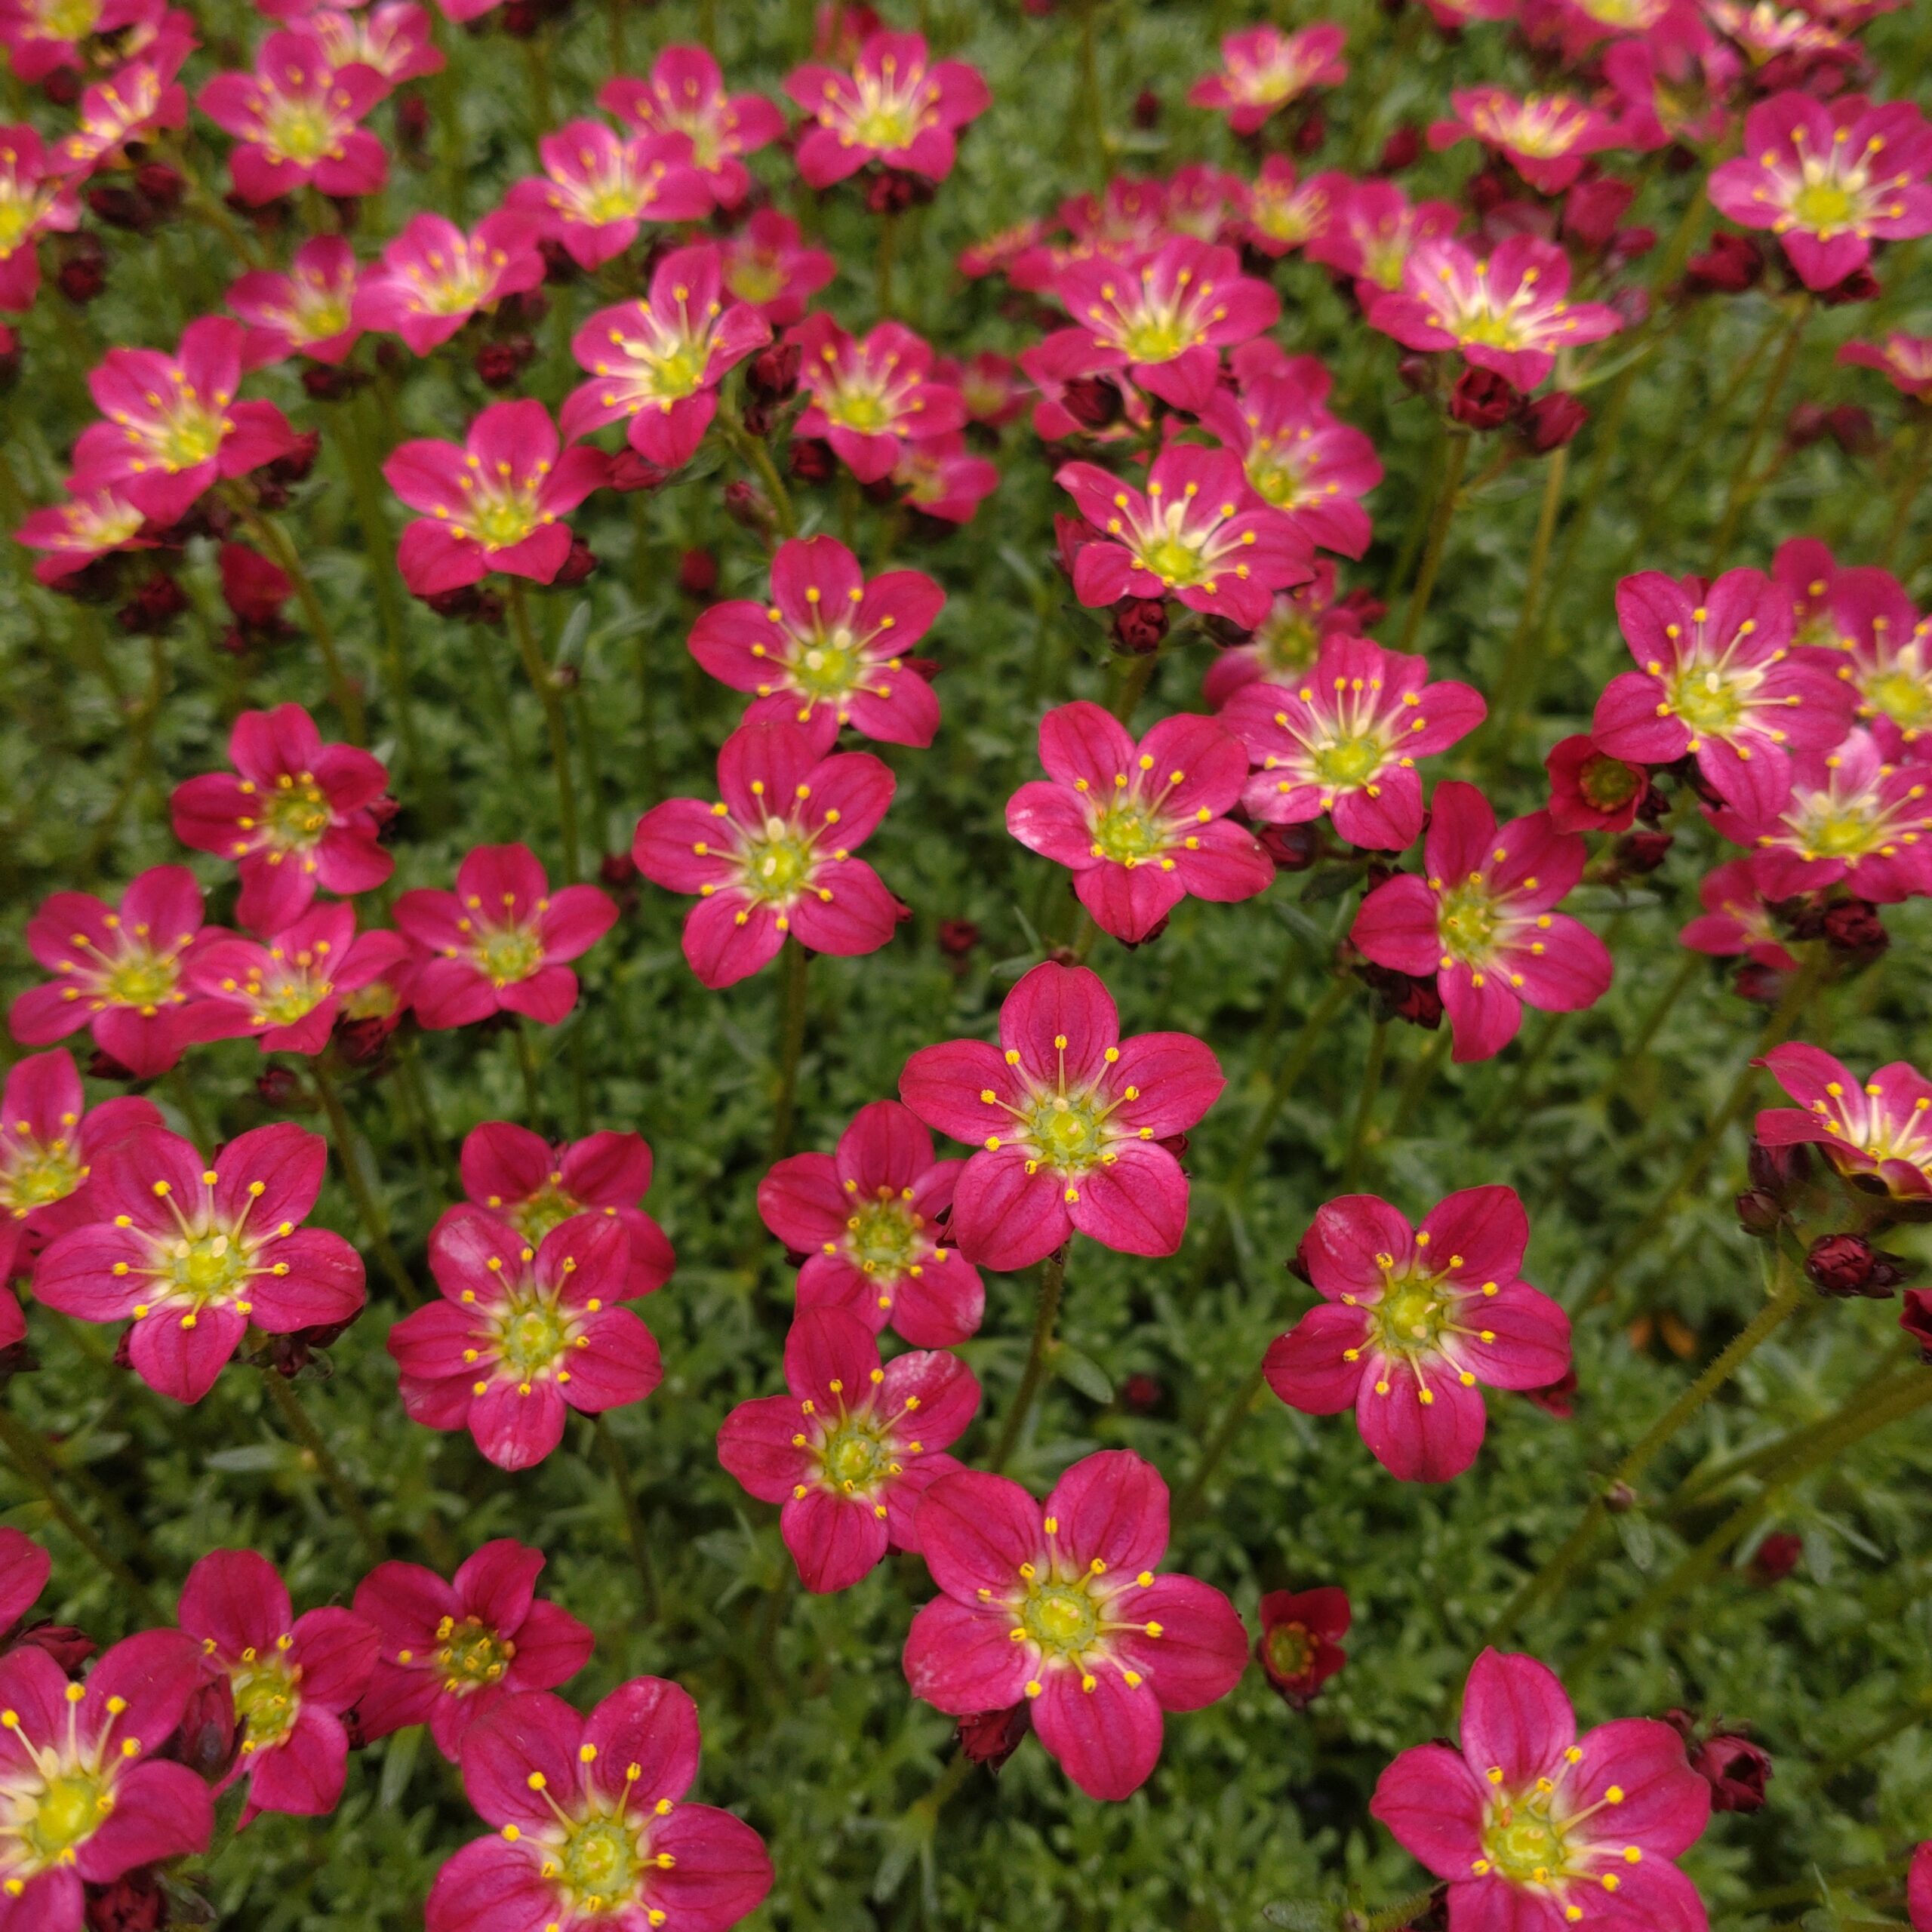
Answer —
301 1425
619 1465
794 962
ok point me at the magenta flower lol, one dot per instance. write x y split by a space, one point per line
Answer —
193 1254
1284 212
656 364
773 856
294 816
868 1220
685 95
285 992
1198 534
598 189
41 36
1889 646
433 277
1589 789
138 100
870 398
1736 920
1375 229
1530 1824
1880 1127
173 427
494 504
523 1335
1061 1607
1141 825
307 311
393 38
1263 69
1904 360
1284 646
50 1140
1481 923
1671 86
1546 138
519 1178
829 649
500 941
1918 1888
120 973
1056 367
295 120
851 1451
92 524
1508 311
1829 178
943 479
897 107
1344 740
1069 1121
767 266
24 1569
291 1677
35 199
1413 1320
82 1799
1721 681
589 1828
1297 1649
451 1652
1807 572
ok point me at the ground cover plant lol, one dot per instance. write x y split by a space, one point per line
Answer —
965 966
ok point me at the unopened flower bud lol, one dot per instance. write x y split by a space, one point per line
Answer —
1639 854
206 1738
1853 926
1776 1557
1731 264
957 937
1293 847
1482 400
412 128
772 374
1759 1213
133 1902
1141 623
499 364
629 472
1403 149
698 573
1146 110
991 1737
279 1086
1593 207
1861 285
1559 1397
1140 1394
153 607
1552 420
745 504
69 1648
1846 1265
1735 1768
1095 402
812 459
1915 1319
1619 1498
324 382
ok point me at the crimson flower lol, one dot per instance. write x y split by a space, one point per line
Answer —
291 1679
588 1827
870 397
393 38
95 522
1284 646
1141 825
295 120
1069 1120
1373 231
773 857
1412 1320
766 264
1061 1606
523 1334
450 1653
1481 921
597 189
685 95
39 200
309 309
1546 138
1590 790
851 1451
1263 69
193 1254
519 1178
1889 646
1918 1889
1284 212
1297 1649
140 99
1525 1819
1904 360
867 1218
1669 86
1880 1127
39 37
897 106
943 479
433 277
1736 919
285 992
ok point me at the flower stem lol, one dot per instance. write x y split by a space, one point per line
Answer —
183 1089
375 1224
526 1066
1241 1405
756 454
1134 677
1294 1064
141 753
1093 107
1371 1088
1045 1314
348 698
793 963
551 699
301 1425
1911 481
888 248
1420 1078
1456 455
1516 680
619 1465
1742 487
1403 1912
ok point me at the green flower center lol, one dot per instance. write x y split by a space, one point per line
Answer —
507 954
472 1656
16 218
1066 1131
1410 1317
600 1863
1152 338
1286 643
69 19
1062 1618
299 131
1845 832
853 1457
71 1807
1291 1649
533 1335
1276 478
208 1267
284 1001
501 522
1126 831
885 122
1708 700
1905 699
1349 763
140 978
1606 781
1466 921
1524 1845
777 864
1172 561
755 279
827 667
680 371
614 201
297 817
1493 331
883 1238
191 437
266 1699
52 1173
861 410
1824 206
548 1208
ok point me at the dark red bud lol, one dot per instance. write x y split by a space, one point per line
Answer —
1731 265
1640 853
69 1647
206 1739
1592 209
1861 285
1807 424
133 1902
1094 402
62 88
324 382
1619 1498
1758 1212
154 606
957 937
581 561
1293 847
1736 1770
698 573
772 374
745 504
1846 1265
1146 110
1776 1557
1141 1394
279 1087
629 472
1559 1397
1403 149
1916 1320
1852 926
294 466
1552 420
1312 132
1139 625
812 459
992 1736
1482 400
499 364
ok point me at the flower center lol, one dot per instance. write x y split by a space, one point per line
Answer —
1466 921
600 1862
507 954
140 978
853 1457
1062 1618
532 1336
1128 831
550 1207
1606 781
1708 699
755 279
472 1655
45 1174
1286 643
500 522
777 864
191 436
69 19
1151 337
1277 477
1066 1131
266 1699
1524 1844
1291 1649
16 218
826 667
1410 1317
297 817
862 409
1171 559
289 997
68 1810
1905 699
680 372
1349 763
299 131
1824 206
208 1267
883 1237
1493 331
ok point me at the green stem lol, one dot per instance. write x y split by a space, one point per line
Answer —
793 963
1514 684
375 1224
301 1425
756 454
1294 1064
526 1066
1093 106
545 685
959 1768
536 58
140 754
1421 1076
613 21
183 1089
1806 1890
1456 455
1911 480
342 687
1403 1912
1220 1439
1742 488
1045 1314
619 1465
888 244
1914 1712
1134 675
1371 1088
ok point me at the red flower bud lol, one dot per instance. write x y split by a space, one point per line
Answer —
1482 400
1592 209
1845 1265
698 573
1552 420
812 460
254 587
323 382
581 561
1861 285
992 1736
153 607
295 465
745 504
1293 847
1852 926
1399 997
1311 133
82 274
1852 428
1095 402
499 364
208 1737
412 128
773 374
1916 1320
1141 1394
629 472
957 937
133 1902
1139 624
280 1088
1403 149
1638 853
1146 110
69 1647
1731 265
1776 1557
1736 1769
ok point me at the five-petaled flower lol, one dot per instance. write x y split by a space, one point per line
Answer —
1904 360
598 187
1880 1127
766 264
1374 230
35 199
1412 1321
93 521
285 992
1546 138
685 95
309 309
1069 1119
433 277
897 106
1297 1649
1061 1606
1590 789
194 1254
1141 825
1263 69
1736 919
871 396
853 1448
294 120
868 1219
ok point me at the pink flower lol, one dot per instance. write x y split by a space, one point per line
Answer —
1284 646
41 36
1165 318
494 504
294 816
773 856
869 398
451 1652
393 39
1057 370
434 277
1848 816
992 388
1576 26
1905 361
92 524
1530 1824
523 1334
1546 138
192 1253
1284 213
685 95
1589 789
81 1797
1141 825
1198 532
1736 919
942 479
853 1448
135 102
1880 1127
500 941
589 1827
1062 1607
1374 231
285 992
1263 69
1126 220
829 649
1344 740
24 1569
657 364
896 107
1807 572
120 973
1481 922
1508 311
50 1140
1296 1650
597 189
1918 1889
1413 1320
309 310
519 1178
1889 647
766 266
1829 178
1720 681
34 200
868 1219
295 119
1671 87
173 427
291 1677
1070 1119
